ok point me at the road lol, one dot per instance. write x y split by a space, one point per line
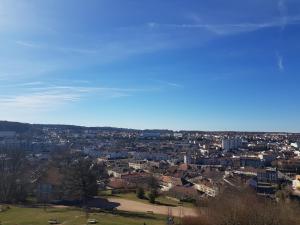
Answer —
134 206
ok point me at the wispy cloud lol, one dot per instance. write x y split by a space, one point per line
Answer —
94 52
37 101
36 96
233 28
168 83
282 8
280 64
49 97
20 67
28 44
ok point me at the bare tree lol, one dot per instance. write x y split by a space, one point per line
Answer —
80 179
245 208
13 176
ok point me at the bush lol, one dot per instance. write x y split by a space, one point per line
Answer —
140 193
245 208
151 197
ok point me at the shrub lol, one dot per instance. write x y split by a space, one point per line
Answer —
151 197
140 193
245 208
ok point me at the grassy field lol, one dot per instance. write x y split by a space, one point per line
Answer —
161 200
73 216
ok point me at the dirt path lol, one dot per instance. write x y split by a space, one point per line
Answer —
134 206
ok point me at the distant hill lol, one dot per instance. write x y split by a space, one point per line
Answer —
25 127
14 126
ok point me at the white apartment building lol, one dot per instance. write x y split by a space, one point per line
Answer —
231 143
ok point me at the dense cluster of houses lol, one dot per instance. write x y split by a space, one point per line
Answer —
187 165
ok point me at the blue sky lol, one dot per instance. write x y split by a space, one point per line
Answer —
197 65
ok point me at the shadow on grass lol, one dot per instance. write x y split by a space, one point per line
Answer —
144 198
134 215
165 204
62 210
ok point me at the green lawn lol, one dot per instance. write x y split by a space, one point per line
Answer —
73 216
161 200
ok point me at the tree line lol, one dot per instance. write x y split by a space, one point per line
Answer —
80 176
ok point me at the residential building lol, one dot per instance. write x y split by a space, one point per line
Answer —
231 144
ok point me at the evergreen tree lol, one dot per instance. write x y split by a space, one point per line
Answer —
140 193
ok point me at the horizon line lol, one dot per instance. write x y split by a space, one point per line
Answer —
158 129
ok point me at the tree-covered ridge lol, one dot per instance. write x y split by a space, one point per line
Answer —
14 126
